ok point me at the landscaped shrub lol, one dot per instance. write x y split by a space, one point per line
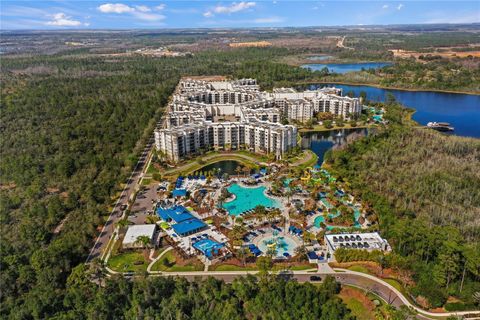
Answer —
456 306
348 255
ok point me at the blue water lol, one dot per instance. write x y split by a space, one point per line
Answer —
280 245
319 58
321 142
346 67
247 199
225 166
462 111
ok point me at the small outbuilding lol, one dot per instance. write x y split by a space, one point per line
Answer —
136 232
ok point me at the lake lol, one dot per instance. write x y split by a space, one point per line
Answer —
462 111
225 166
322 141
345 67
319 58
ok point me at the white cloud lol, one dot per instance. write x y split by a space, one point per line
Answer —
234 7
143 8
385 6
62 20
160 7
148 16
141 12
400 6
115 8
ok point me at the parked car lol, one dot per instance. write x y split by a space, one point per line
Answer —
315 278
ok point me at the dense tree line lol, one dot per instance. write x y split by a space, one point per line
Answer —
424 186
72 128
169 298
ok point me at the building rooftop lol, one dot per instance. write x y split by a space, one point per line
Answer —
189 226
176 214
367 241
139 230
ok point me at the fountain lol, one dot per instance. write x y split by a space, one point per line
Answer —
278 244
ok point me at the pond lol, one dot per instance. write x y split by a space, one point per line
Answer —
225 166
321 142
346 67
462 111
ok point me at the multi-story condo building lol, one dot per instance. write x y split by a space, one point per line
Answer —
302 106
213 113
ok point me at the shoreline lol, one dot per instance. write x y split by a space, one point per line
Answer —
473 93
303 130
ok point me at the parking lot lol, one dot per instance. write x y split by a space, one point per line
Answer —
143 204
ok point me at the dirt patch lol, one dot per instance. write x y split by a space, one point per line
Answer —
398 53
353 293
206 78
8 186
403 276
257 44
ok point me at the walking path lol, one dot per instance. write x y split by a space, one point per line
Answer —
149 268
346 277
220 156
309 156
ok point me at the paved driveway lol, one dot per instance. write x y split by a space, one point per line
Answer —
116 214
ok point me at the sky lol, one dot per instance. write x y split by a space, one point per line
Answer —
52 15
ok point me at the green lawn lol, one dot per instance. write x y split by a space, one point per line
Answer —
358 309
146 181
359 269
124 262
231 267
394 283
167 264
151 169
294 268
354 301
346 126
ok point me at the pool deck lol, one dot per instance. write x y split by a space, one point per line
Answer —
257 240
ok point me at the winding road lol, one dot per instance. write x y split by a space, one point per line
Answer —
346 277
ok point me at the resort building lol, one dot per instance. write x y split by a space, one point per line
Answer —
136 232
211 113
303 106
181 220
364 241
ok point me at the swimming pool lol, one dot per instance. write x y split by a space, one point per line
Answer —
280 245
247 199
207 245
318 220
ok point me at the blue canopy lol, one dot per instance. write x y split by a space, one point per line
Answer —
179 192
188 227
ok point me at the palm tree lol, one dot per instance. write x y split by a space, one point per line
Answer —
301 251
272 215
123 223
243 254
260 211
237 232
238 170
144 241
246 170
288 193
